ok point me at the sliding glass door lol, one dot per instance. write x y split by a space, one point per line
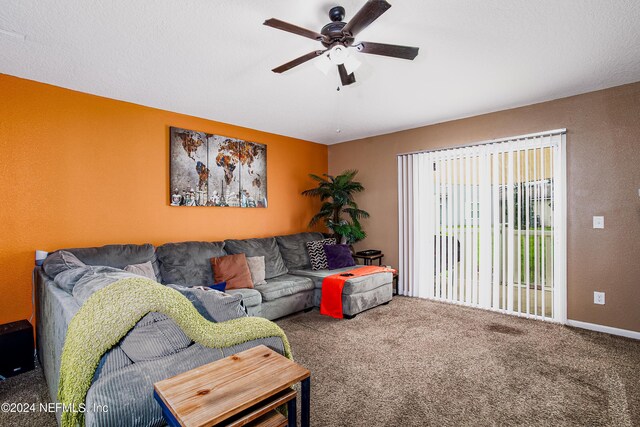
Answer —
484 225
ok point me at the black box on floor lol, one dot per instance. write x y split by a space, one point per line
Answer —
16 348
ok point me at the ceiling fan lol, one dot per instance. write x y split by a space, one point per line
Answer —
338 36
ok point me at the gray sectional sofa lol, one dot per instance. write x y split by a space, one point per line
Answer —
292 285
124 379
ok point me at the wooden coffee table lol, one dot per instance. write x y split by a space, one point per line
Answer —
239 390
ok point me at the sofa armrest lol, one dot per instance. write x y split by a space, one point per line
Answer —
54 310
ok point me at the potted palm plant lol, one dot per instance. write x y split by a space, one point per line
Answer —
339 212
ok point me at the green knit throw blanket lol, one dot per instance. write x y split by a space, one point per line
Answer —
111 312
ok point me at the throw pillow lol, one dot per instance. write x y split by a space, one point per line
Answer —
338 256
60 261
220 287
213 305
68 278
96 278
257 270
317 256
145 270
232 269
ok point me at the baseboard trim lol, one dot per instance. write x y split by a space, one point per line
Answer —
606 329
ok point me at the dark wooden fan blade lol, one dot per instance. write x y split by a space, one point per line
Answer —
345 78
371 11
285 26
395 51
304 58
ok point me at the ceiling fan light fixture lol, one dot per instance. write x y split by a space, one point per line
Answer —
324 64
351 64
338 54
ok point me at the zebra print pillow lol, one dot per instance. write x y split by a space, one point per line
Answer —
317 256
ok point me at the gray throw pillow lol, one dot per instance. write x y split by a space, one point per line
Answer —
145 270
257 269
68 278
213 305
97 278
317 255
60 261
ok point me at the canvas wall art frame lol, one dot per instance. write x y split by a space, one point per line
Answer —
215 170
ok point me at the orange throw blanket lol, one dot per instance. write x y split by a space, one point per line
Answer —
331 299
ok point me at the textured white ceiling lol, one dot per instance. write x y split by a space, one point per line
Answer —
212 59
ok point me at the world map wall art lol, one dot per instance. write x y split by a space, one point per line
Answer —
214 170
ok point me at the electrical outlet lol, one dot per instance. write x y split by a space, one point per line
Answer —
598 222
598 298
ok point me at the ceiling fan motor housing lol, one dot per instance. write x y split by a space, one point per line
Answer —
336 13
333 30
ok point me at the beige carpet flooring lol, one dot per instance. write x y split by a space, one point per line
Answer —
420 363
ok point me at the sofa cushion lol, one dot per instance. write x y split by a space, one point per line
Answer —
294 251
117 256
250 297
355 285
267 247
145 269
188 263
232 269
60 261
284 285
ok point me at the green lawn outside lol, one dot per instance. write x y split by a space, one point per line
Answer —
532 254
523 254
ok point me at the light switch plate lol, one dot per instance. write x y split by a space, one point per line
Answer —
598 222
598 298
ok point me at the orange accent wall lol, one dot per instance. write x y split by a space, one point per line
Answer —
80 170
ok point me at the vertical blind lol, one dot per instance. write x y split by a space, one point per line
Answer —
484 225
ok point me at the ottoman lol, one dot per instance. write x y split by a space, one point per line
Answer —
359 293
